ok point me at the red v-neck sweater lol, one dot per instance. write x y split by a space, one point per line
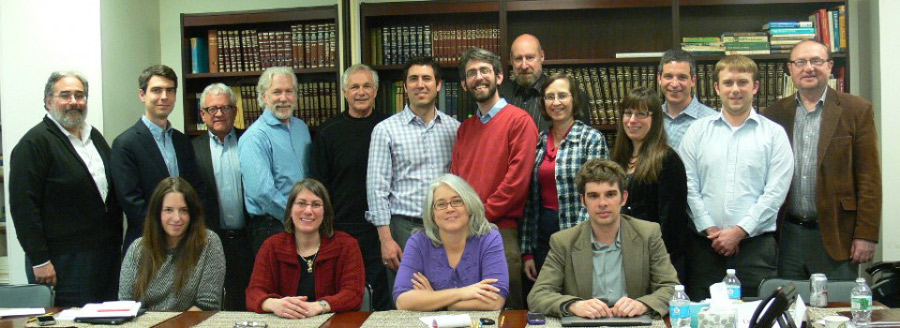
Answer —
496 159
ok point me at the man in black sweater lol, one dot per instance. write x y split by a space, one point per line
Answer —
62 201
340 155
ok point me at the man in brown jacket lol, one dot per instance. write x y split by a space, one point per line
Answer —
832 214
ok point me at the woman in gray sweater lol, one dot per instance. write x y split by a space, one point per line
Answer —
178 264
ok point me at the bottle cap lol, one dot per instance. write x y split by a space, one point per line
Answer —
679 288
730 271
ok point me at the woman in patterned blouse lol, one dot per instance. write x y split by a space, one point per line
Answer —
553 202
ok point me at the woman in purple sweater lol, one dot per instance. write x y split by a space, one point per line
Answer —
456 262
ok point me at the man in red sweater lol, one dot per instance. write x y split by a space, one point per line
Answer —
494 153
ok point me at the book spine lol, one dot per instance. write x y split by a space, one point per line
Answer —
213 37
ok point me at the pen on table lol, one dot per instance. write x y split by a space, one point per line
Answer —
434 323
35 318
502 320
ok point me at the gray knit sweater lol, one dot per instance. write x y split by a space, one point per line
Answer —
203 289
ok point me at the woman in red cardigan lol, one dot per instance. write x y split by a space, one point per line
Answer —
310 269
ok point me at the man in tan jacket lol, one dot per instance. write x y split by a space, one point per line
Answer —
610 265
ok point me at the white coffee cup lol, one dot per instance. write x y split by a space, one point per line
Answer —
836 321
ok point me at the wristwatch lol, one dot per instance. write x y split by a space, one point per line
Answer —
325 307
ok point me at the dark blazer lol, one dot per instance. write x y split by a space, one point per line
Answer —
54 201
138 166
665 202
848 173
568 272
205 165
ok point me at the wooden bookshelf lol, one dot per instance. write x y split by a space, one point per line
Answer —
270 40
587 34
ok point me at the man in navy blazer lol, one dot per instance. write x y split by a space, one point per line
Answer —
151 150
220 168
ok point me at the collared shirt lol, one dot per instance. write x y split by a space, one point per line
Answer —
227 169
609 274
163 138
527 98
582 143
806 142
675 127
736 177
88 153
491 113
273 157
405 154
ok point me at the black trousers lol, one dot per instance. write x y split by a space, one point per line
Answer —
376 272
239 261
261 228
82 277
754 262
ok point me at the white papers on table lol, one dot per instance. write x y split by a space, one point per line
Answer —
447 321
103 310
15 312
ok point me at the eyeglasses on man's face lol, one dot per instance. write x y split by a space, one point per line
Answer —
215 110
815 62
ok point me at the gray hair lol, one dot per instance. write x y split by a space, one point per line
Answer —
357 68
478 224
58 75
478 54
217 89
677 55
265 80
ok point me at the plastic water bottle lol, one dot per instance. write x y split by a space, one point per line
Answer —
861 303
680 309
734 285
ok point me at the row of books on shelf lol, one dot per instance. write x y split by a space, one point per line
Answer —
452 100
776 37
395 45
303 46
606 86
316 103
774 83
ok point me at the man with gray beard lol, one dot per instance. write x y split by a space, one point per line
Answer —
62 202
274 154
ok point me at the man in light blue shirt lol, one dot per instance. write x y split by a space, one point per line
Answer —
677 78
220 168
274 153
739 166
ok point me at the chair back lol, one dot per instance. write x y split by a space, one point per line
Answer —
19 296
838 290
367 299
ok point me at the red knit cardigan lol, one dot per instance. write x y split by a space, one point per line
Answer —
339 272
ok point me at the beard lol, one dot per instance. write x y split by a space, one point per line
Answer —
492 90
69 118
527 80
282 112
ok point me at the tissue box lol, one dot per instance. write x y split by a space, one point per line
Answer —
710 319
695 310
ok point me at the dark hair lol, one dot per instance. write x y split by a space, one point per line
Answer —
600 170
422 61
156 70
655 146
479 54
677 55
326 229
739 63
59 75
154 245
574 92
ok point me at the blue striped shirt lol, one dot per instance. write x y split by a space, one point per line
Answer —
737 176
405 154
675 127
273 157
227 169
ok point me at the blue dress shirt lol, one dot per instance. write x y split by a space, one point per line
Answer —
227 169
273 157
491 113
736 176
163 140
675 127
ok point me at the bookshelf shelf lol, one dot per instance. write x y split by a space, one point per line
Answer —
240 45
255 73
584 36
538 5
